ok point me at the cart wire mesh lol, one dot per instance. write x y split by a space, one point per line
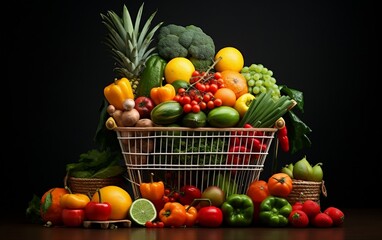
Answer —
230 158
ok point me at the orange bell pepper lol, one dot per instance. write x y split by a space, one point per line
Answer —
191 215
118 91
153 191
162 94
173 214
74 200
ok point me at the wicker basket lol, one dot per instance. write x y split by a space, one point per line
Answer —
304 190
90 185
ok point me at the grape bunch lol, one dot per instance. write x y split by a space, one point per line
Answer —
260 80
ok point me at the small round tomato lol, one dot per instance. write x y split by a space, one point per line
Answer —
210 216
280 185
218 102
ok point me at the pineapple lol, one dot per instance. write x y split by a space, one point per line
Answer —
128 44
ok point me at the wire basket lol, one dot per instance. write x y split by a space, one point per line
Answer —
224 157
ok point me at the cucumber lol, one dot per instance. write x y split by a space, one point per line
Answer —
166 112
151 76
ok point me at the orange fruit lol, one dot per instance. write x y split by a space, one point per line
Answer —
119 199
231 59
227 96
235 81
258 191
50 208
179 68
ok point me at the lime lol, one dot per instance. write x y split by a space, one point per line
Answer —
142 210
180 84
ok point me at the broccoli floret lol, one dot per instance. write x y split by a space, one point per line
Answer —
189 41
201 64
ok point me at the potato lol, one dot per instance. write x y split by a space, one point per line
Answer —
130 118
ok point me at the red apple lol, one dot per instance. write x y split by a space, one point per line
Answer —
144 105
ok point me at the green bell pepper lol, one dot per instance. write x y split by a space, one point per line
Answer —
274 211
238 210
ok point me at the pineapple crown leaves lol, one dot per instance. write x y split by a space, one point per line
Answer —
129 45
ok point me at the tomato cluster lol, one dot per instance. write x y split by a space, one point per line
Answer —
199 96
170 195
154 224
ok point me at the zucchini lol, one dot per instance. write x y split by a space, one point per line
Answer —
152 76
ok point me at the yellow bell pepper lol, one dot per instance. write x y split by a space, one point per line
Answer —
118 91
243 102
162 94
74 200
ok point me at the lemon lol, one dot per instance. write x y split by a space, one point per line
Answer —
142 210
231 59
178 68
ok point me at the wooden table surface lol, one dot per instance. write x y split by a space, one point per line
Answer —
365 224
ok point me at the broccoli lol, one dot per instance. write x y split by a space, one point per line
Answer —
190 42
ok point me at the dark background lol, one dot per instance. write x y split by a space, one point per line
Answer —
56 68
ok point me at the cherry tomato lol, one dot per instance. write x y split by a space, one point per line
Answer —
218 102
206 97
213 87
187 108
195 73
195 108
203 105
186 100
217 75
210 104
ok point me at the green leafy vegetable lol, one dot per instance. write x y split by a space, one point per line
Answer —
96 164
32 213
197 150
297 130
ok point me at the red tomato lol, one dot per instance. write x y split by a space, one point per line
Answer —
144 105
73 217
280 185
298 218
336 214
258 191
210 216
297 206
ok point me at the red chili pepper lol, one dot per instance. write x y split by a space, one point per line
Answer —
238 159
255 144
282 135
